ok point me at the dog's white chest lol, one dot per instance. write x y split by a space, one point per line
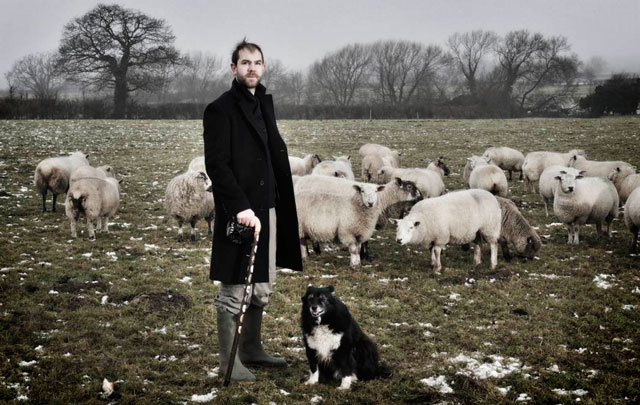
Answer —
323 341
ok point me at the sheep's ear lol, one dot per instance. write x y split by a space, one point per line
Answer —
108 169
563 172
86 155
394 221
558 178
469 160
583 172
415 224
618 169
349 158
579 176
358 188
398 181
380 188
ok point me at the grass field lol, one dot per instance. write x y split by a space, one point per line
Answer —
136 307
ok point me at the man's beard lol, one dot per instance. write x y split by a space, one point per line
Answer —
243 81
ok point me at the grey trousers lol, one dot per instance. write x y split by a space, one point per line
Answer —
230 295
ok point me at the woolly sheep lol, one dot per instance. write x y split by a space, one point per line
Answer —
459 217
535 162
625 179
578 200
632 216
506 158
54 173
488 177
428 182
382 151
330 208
547 183
516 232
100 172
371 164
595 168
188 198
96 199
303 166
340 167
628 185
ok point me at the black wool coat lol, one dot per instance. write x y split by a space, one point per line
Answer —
236 162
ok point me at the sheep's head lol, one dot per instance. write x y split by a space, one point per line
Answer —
315 159
568 180
409 188
476 161
407 228
203 180
441 165
383 172
368 194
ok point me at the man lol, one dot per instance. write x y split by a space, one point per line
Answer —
248 164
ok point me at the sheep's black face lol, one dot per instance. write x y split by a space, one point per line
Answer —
412 190
318 301
442 166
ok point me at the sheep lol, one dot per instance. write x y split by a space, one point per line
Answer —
535 162
632 216
516 232
382 151
488 177
547 183
466 173
438 166
197 164
578 200
330 208
459 217
429 182
53 174
595 168
619 177
100 172
96 199
303 166
371 164
188 198
506 158
340 167
629 184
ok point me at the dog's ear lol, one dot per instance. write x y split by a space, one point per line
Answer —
331 289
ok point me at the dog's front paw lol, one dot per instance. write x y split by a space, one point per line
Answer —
313 378
346 382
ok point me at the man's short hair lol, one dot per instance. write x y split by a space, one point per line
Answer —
245 45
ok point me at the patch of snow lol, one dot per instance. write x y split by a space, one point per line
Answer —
204 398
439 382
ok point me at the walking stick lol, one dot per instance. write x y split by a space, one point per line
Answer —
243 306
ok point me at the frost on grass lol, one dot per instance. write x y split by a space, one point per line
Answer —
605 281
440 383
205 397
561 392
490 367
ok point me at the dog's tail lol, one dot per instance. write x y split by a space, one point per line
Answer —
367 360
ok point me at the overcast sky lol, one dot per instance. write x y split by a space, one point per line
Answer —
298 32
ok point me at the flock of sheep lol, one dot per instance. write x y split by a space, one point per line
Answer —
332 206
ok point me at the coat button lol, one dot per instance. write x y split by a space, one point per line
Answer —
262 182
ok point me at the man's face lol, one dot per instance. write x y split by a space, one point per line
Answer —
249 69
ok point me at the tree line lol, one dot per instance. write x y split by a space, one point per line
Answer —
122 64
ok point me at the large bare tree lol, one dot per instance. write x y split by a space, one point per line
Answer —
114 47
340 74
399 68
37 74
468 50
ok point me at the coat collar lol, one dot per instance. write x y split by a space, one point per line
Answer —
244 104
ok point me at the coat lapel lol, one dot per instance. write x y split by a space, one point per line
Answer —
248 115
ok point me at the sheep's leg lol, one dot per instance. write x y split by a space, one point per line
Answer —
438 265
494 254
180 235
303 248
598 229
634 239
520 174
106 223
609 230
576 232
72 223
570 234
92 233
505 250
44 201
55 196
477 254
364 251
316 247
546 205
209 229
510 175
193 231
433 257
354 251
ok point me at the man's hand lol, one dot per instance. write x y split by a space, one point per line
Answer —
248 218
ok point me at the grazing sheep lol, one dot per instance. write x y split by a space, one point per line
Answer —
371 164
197 164
330 208
438 166
382 151
488 177
54 173
578 200
632 216
100 172
429 182
96 199
536 162
595 168
625 179
340 167
303 166
516 232
506 158
188 198
459 217
628 185
547 183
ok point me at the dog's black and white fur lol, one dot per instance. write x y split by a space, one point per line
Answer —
335 345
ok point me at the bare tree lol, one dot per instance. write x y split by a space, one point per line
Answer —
468 50
593 68
199 76
340 74
399 68
37 74
113 47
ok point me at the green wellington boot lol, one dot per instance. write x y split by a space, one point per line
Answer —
250 350
226 331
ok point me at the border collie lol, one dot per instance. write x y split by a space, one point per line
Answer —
335 345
